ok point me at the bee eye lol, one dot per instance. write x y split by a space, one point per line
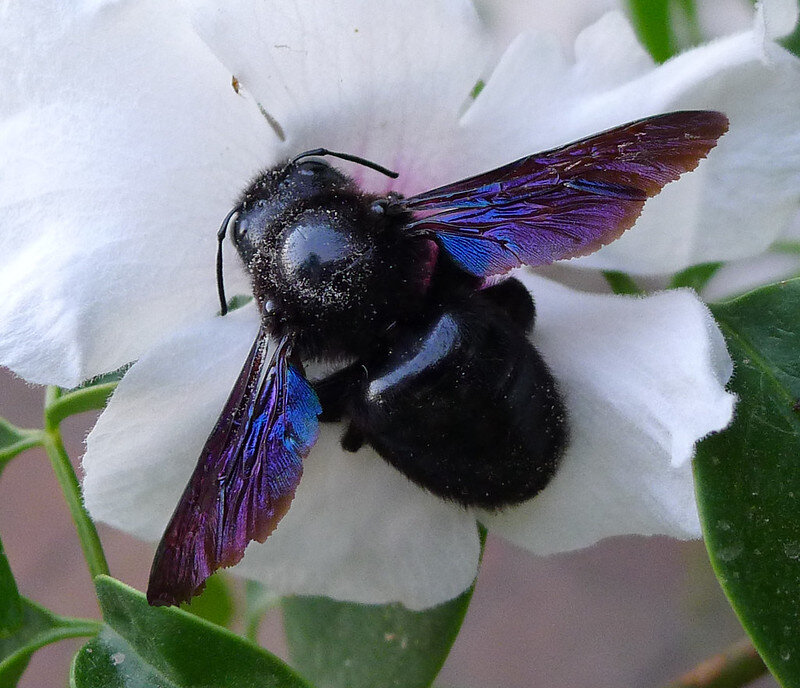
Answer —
311 167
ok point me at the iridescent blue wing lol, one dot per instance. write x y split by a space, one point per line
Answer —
245 478
565 202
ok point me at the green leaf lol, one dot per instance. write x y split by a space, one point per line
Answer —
790 247
142 646
215 604
10 602
477 88
792 41
621 282
347 645
665 27
748 477
38 627
238 301
103 379
652 21
695 277
14 440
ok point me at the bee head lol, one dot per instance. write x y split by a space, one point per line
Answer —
284 198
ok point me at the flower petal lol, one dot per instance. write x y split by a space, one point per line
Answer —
357 529
740 276
506 19
734 204
123 146
383 80
643 380
779 16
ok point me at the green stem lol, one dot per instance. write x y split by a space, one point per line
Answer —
79 401
258 601
65 474
67 628
74 627
737 666
27 439
252 626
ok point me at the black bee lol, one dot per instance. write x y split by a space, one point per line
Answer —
440 377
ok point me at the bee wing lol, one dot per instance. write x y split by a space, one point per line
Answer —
565 202
245 478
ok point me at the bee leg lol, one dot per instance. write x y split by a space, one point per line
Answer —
513 298
334 393
353 439
335 390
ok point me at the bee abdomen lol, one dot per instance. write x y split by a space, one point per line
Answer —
467 408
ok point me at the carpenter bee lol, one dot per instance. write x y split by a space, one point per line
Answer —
439 375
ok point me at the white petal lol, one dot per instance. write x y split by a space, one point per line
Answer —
357 529
534 97
779 16
643 380
383 80
740 276
123 146
507 19
721 17
733 205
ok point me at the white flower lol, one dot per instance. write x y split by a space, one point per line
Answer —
124 144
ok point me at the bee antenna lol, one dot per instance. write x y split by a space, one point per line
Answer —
346 156
221 233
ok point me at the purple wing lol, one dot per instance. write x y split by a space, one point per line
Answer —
245 479
565 202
